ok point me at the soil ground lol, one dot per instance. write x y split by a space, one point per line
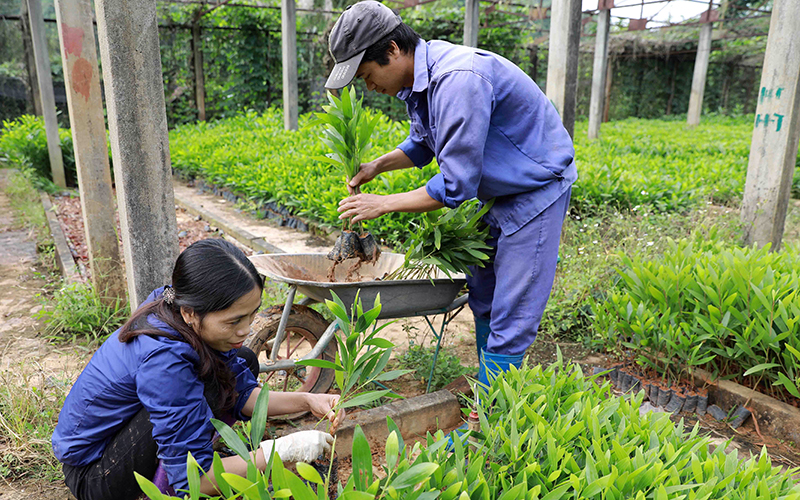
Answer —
23 347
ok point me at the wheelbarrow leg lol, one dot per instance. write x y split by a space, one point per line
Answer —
287 309
448 317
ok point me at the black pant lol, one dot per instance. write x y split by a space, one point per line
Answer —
133 449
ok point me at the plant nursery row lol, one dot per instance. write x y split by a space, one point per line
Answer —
636 162
549 433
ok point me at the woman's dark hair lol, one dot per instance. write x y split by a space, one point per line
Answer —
210 275
405 38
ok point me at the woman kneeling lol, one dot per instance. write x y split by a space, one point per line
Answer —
147 396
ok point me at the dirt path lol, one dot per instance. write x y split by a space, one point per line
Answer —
25 356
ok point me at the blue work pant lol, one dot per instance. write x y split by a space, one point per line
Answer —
512 290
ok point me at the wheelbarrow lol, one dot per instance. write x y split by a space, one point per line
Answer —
286 333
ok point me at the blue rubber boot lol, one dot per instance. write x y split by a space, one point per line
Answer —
482 332
494 364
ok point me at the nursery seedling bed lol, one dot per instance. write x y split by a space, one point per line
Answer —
767 426
68 210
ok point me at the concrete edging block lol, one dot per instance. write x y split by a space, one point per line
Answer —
64 259
781 420
413 416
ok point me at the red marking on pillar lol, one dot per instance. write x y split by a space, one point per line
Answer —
73 39
82 77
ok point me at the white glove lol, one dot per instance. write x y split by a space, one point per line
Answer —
303 446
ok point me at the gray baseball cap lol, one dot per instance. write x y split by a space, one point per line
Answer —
360 25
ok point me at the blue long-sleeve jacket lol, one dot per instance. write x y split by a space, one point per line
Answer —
492 130
157 374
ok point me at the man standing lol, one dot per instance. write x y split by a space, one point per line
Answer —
494 135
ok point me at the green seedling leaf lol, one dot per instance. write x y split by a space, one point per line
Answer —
218 469
308 473
258 423
760 368
231 439
414 475
321 363
363 398
193 475
361 459
148 488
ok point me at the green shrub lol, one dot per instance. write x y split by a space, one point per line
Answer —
706 303
23 141
253 155
662 163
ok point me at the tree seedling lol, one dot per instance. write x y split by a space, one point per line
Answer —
347 132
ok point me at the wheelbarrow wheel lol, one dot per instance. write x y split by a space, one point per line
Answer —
304 328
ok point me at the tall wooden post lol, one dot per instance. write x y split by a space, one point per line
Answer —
599 73
45 80
471 20
562 65
137 123
533 55
776 132
699 77
30 59
609 81
199 79
289 52
82 81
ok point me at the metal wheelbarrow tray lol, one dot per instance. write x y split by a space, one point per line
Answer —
399 298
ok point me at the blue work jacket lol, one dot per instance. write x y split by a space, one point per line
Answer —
157 374
492 130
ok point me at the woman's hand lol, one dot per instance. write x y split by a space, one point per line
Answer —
362 207
321 406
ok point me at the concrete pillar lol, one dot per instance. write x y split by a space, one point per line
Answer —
82 82
289 52
30 59
137 123
45 80
562 63
773 150
699 78
471 22
199 78
599 73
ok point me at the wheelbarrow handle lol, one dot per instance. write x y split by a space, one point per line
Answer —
286 364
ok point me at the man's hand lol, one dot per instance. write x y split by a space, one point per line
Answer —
366 173
362 207
321 406
303 446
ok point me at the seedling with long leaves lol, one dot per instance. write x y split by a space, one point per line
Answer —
347 132
452 241
362 355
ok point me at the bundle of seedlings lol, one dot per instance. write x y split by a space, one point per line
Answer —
347 132
451 240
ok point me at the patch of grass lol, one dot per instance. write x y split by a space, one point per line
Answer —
29 408
77 313
420 358
590 249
